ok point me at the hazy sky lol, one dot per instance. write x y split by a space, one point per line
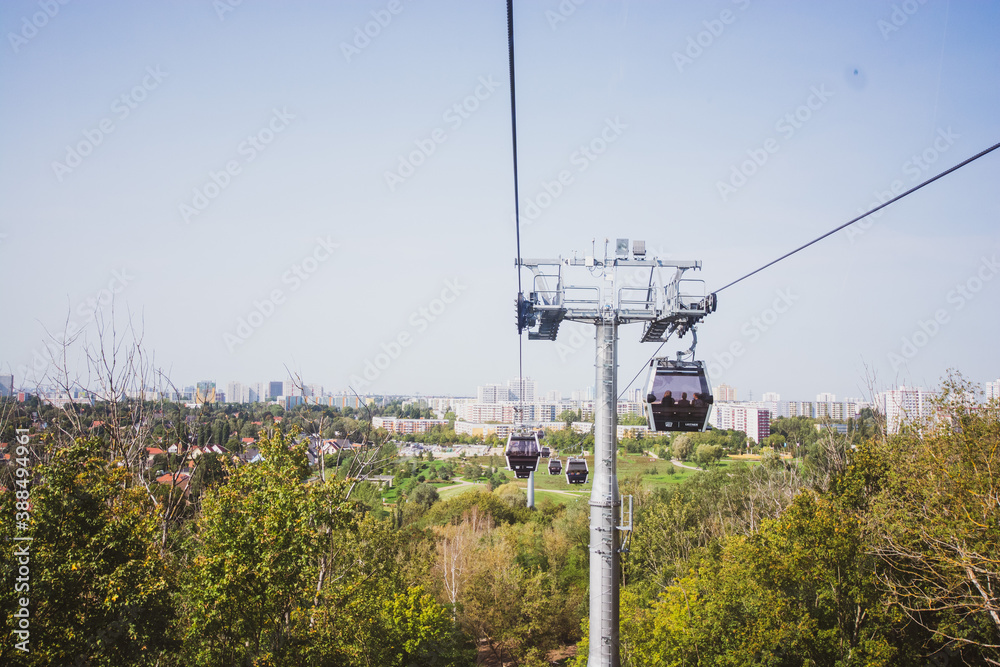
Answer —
265 185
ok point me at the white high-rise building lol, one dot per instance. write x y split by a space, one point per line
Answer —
755 422
993 390
235 393
771 397
492 393
724 393
521 389
826 398
904 404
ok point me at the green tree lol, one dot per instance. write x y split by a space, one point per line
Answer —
568 417
288 572
99 591
424 495
682 447
800 591
707 455
935 523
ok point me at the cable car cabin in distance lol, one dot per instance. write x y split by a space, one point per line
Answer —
555 466
522 452
678 397
576 470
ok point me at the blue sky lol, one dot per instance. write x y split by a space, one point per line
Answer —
242 178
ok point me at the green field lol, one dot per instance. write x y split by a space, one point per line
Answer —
456 489
652 473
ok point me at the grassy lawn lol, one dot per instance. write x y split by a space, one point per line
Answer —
554 487
557 498
457 489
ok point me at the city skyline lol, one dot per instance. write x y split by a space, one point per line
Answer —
340 203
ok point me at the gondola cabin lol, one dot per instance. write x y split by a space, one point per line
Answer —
678 395
546 452
522 452
576 470
555 466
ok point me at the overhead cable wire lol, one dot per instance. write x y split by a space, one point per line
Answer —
517 213
834 231
643 366
865 215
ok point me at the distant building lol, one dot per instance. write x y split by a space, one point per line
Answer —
393 425
630 408
6 385
755 422
204 392
632 431
904 404
521 389
236 392
992 390
275 388
724 393
492 393
289 402
771 397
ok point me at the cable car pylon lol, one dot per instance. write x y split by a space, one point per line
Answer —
666 305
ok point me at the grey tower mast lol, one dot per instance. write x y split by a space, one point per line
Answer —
667 306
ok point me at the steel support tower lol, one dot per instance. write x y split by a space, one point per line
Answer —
667 305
